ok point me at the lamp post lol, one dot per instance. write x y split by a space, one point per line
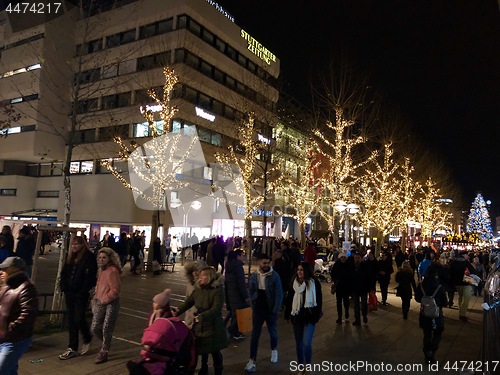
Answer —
195 205
351 209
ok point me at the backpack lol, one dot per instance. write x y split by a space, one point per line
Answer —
428 305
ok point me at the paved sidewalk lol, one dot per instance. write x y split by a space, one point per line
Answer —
387 339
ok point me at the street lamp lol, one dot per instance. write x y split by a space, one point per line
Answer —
195 205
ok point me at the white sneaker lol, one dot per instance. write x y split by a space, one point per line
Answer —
251 367
85 348
274 356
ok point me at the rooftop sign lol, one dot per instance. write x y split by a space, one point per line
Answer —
221 9
258 49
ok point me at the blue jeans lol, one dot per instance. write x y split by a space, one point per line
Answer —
10 352
303 341
258 319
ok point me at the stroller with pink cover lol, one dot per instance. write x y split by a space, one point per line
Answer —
168 349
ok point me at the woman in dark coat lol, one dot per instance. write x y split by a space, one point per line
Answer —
406 283
78 277
385 271
341 276
209 330
236 290
432 327
304 304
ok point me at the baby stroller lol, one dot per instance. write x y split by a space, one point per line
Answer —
168 349
321 271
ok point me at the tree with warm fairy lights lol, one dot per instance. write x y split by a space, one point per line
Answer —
302 192
249 176
408 189
155 165
479 221
428 210
341 171
380 196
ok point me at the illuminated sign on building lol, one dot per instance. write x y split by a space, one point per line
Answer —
152 108
263 139
207 116
258 49
221 9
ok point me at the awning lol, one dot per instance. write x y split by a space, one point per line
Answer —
43 214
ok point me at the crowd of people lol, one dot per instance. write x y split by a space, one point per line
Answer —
283 281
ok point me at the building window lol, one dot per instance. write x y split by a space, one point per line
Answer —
153 61
47 194
91 75
116 101
120 38
84 106
156 28
90 47
143 129
8 192
85 136
109 132
81 167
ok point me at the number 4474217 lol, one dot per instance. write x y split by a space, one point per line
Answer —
39 8
471 365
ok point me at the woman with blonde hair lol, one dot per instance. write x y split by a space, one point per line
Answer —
209 330
406 281
192 274
78 277
106 302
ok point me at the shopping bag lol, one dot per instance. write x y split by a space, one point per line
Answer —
244 319
372 301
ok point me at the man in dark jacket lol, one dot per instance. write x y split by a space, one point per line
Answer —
236 290
341 276
18 311
26 248
458 268
360 286
385 270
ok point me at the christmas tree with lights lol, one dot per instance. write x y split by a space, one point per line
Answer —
479 219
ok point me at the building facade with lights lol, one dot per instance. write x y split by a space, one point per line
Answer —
95 72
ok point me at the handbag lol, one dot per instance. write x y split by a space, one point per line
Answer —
372 301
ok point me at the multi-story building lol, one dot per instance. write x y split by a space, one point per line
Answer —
80 79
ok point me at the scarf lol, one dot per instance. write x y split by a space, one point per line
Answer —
261 278
300 290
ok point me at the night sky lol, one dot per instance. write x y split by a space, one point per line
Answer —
437 61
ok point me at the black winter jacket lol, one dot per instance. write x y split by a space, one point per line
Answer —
81 277
236 289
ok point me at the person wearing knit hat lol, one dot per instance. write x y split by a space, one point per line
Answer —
161 306
19 308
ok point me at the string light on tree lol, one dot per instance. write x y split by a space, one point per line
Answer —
479 221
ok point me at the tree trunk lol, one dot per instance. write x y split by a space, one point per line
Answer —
248 235
155 223
302 234
57 298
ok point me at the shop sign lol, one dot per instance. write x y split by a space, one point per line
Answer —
207 116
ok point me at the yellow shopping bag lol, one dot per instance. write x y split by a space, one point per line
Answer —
244 319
